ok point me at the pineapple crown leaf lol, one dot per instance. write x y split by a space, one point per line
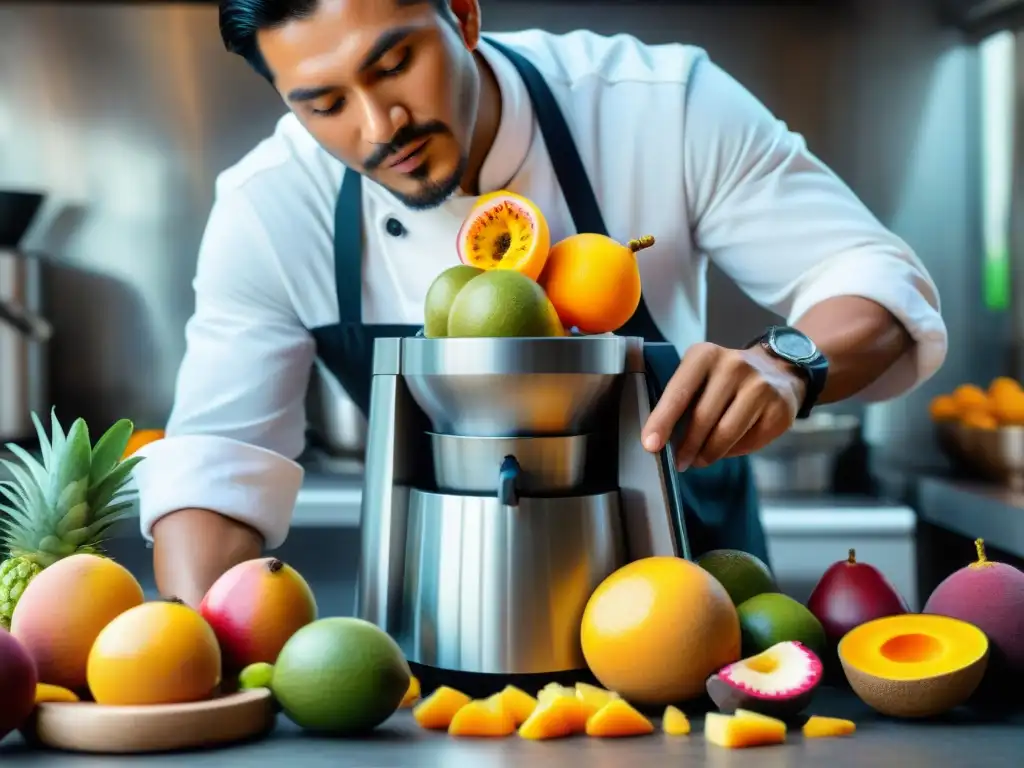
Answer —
28 492
109 449
56 441
44 443
37 470
73 463
103 492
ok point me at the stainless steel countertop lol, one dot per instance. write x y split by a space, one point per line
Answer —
974 509
958 740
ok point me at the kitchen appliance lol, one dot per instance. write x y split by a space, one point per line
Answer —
803 459
23 332
336 425
505 479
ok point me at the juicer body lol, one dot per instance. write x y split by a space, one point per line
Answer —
505 480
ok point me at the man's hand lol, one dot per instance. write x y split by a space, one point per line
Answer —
738 401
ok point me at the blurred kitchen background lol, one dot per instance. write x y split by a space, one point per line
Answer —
122 114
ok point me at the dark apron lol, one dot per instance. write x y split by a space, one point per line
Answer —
720 502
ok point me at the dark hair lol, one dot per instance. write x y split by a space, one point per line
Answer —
241 20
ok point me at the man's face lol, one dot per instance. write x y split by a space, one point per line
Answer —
389 87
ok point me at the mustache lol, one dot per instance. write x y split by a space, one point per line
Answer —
402 138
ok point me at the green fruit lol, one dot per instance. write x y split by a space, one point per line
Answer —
773 618
340 676
256 675
441 294
743 575
503 303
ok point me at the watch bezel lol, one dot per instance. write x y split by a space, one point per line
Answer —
775 331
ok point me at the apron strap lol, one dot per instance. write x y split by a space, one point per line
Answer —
348 249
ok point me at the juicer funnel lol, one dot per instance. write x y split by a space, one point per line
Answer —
510 387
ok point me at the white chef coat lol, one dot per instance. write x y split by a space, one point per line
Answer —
674 147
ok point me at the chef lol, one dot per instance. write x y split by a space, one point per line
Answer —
401 113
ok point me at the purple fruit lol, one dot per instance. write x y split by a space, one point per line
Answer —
18 680
850 594
990 596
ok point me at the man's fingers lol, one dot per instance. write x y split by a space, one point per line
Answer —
680 391
737 421
714 401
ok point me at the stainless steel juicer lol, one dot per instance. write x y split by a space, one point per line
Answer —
505 479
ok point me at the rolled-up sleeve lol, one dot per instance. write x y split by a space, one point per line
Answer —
789 232
238 420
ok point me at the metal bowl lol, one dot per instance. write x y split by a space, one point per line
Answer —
512 387
994 454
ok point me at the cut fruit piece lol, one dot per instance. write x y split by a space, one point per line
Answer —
746 714
435 712
674 722
593 698
517 702
914 665
555 718
412 695
482 719
571 707
505 231
618 719
779 682
734 732
827 727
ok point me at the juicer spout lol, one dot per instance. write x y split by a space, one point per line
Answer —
508 482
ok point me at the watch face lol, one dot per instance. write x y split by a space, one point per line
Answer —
793 346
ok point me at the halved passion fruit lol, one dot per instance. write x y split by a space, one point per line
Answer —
505 231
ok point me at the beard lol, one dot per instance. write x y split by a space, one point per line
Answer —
432 192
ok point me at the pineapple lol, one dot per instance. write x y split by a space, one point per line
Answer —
63 505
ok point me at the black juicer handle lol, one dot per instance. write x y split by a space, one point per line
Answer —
661 361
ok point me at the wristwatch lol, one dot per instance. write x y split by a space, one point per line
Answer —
792 346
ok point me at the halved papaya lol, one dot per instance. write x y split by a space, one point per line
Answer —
618 718
435 712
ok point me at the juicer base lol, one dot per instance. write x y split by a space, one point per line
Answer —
479 686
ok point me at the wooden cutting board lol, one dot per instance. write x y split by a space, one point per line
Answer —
88 727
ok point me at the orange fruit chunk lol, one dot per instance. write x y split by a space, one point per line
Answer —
435 713
554 718
674 722
970 397
737 732
616 719
827 727
412 695
594 281
482 719
593 697
517 703
505 231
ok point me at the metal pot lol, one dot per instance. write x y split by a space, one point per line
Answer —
803 459
23 332
337 426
